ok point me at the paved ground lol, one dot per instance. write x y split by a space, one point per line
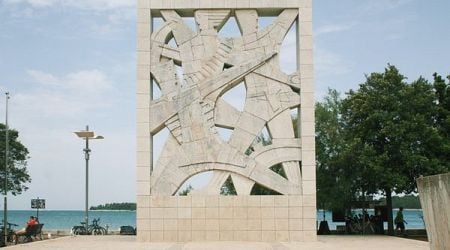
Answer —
323 243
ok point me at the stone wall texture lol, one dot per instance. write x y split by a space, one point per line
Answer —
225 218
434 193
182 53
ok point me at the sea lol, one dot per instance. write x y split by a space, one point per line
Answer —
413 218
65 220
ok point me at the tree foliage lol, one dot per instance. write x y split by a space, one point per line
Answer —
442 92
393 133
391 127
186 191
408 201
335 189
228 187
115 206
381 138
18 175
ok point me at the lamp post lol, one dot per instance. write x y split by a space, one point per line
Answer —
87 135
5 191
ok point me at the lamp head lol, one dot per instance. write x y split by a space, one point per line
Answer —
85 134
88 135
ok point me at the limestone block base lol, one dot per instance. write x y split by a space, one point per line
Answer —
225 218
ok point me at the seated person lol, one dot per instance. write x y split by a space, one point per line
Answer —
32 221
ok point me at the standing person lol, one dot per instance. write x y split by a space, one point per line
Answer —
400 222
379 222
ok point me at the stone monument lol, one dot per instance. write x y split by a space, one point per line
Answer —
434 194
194 66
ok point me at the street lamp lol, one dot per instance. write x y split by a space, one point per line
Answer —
5 191
87 135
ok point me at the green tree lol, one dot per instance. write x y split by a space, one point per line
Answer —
442 91
338 178
17 161
228 187
408 201
390 129
186 191
115 206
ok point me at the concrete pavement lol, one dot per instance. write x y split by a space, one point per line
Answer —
323 243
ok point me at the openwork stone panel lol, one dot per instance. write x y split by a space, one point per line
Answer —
185 56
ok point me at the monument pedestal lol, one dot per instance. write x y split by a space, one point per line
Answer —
226 218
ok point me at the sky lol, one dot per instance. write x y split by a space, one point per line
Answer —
68 64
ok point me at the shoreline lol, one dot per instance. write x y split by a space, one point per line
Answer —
125 210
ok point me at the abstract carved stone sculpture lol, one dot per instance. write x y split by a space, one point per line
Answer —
193 74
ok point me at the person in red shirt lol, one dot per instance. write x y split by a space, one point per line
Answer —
32 221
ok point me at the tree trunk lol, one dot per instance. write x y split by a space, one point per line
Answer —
389 211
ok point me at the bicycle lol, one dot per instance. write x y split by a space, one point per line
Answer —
11 233
92 229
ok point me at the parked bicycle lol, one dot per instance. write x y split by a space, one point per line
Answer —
11 232
92 229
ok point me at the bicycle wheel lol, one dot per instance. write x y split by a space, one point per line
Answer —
12 237
98 231
79 230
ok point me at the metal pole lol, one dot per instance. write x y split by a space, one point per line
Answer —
5 208
37 211
86 154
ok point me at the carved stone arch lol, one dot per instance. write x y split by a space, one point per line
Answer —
193 77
